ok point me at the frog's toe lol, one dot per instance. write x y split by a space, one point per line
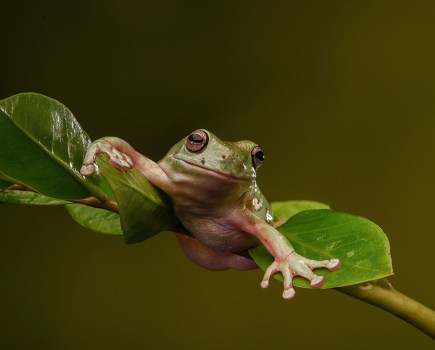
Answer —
119 159
331 265
288 293
317 281
334 264
87 169
264 284
270 271
120 163
287 275
303 267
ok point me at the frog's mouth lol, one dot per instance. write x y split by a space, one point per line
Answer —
218 174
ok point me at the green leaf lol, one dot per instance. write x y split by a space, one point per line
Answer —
96 219
144 209
28 197
43 147
361 246
285 210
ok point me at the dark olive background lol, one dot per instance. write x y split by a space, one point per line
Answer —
339 94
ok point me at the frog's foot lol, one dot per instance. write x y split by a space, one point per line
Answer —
116 158
297 265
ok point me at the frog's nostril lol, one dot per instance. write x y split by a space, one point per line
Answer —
224 156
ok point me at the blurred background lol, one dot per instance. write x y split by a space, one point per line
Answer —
341 97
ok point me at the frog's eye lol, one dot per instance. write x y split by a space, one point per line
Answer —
197 141
257 157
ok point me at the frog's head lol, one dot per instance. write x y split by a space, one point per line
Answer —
238 160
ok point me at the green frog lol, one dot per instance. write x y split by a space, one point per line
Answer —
213 188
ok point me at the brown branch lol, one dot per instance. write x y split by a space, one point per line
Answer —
107 204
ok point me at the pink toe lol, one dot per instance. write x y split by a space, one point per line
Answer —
317 281
87 169
288 293
334 264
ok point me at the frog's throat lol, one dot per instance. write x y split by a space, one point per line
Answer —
219 174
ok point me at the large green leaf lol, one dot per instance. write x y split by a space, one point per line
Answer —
28 197
361 246
96 219
144 209
43 147
286 209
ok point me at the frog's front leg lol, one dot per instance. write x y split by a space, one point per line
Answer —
287 261
124 156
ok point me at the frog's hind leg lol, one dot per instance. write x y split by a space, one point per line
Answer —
210 259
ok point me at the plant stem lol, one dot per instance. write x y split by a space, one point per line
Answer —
382 294
107 204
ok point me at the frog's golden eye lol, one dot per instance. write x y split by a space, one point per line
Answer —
257 157
197 141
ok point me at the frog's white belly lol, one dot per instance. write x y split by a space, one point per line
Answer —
207 203
216 233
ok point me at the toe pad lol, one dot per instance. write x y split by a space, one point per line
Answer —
87 170
317 281
333 264
288 293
